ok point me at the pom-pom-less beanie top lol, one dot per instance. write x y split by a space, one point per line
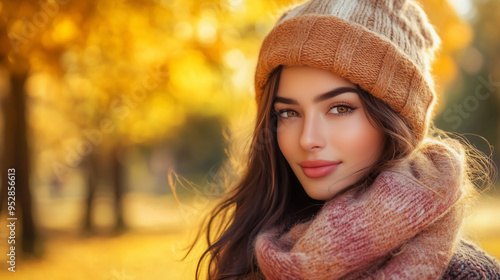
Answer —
384 46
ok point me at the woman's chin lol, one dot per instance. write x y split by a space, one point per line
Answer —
320 195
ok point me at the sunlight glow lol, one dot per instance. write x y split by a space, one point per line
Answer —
463 7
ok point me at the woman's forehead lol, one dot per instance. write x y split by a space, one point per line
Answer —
295 75
298 80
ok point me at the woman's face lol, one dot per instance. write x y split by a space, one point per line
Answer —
323 130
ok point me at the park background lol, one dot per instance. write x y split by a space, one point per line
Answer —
103 99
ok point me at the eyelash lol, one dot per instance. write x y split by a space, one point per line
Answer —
351 110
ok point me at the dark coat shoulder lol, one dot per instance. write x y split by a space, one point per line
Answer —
470 262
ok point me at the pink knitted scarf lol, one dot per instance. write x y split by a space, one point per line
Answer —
404 226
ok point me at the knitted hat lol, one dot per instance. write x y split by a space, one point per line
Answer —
384 46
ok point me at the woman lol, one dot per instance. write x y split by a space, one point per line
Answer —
345 178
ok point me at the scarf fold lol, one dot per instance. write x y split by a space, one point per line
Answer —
403 227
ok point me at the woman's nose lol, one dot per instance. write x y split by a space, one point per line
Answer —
312 137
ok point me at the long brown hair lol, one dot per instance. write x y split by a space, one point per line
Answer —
269 194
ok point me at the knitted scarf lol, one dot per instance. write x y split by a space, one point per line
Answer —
405 226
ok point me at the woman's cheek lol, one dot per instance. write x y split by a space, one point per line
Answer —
355 137
346 135
366 141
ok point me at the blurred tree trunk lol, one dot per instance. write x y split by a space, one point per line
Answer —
16 155
118 187
92 179
113 171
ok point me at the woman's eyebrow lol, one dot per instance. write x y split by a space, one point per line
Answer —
318 98
335 92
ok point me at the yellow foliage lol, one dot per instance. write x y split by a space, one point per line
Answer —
64 31
455 34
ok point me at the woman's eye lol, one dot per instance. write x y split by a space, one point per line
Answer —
340 110
287 114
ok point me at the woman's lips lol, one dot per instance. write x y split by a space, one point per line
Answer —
318 168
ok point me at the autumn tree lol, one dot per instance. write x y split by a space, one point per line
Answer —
31 44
